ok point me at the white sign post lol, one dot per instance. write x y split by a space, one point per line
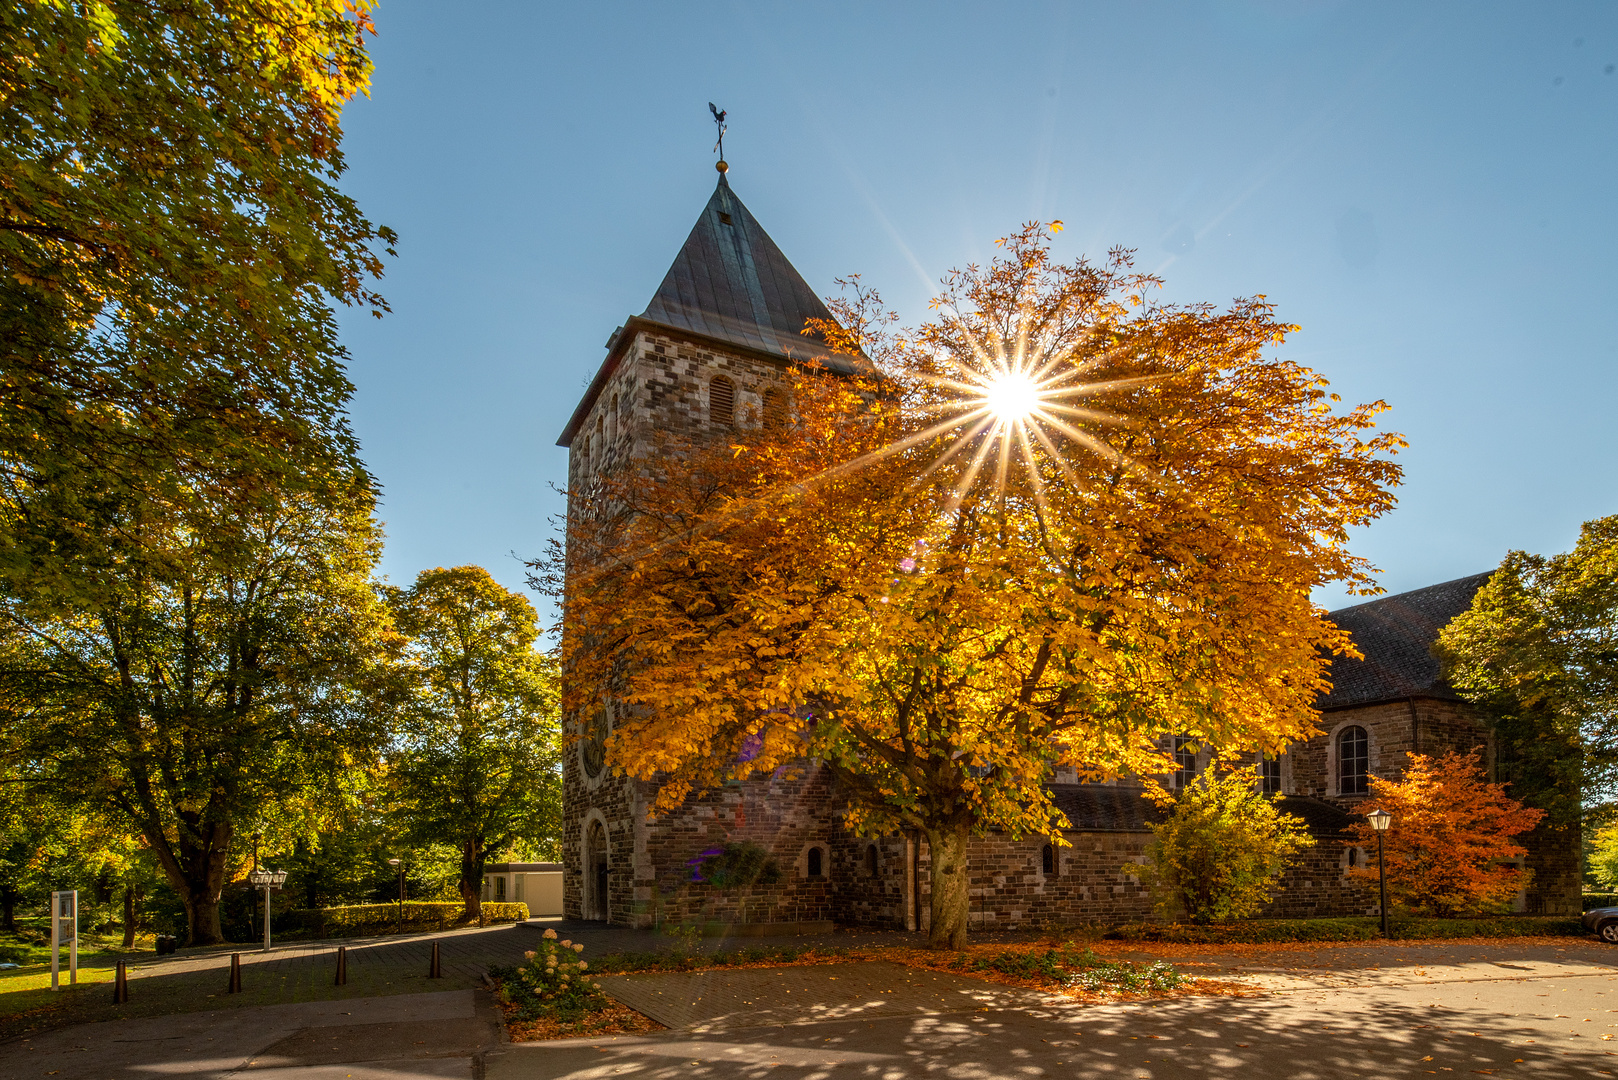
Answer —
267 879
64 927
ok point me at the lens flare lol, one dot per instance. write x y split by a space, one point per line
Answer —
1011 397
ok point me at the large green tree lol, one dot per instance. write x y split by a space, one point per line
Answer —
476 756
172 245
1538 653
207 693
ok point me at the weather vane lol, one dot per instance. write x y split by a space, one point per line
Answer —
719 122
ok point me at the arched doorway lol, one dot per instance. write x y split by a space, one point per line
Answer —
596 869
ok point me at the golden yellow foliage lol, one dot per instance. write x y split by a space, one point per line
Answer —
945 613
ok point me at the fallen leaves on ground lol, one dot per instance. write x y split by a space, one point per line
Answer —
616 1019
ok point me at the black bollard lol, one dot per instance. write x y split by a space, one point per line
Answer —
342 965
235 973
435 971
120 986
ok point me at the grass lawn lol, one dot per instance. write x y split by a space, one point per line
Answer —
28 985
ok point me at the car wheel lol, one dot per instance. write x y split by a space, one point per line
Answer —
1608 932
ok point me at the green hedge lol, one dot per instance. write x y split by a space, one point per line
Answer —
1593 900
1262 931
356 920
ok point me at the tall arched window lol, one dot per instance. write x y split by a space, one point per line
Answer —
1185 762
775 408
722 401
1353 761
612 419
870 860
1047 860
816 866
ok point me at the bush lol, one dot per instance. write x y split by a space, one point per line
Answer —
358 920
1604 856
1267 931
1593 900
1223 848
554 983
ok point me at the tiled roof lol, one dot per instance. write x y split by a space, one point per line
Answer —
731 283
1100 808
1396 634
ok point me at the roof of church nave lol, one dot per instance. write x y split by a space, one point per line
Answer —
731 288
1396 634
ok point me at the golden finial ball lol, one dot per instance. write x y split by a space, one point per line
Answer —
722 165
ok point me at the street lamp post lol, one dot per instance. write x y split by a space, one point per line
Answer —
398 865
1379 820
267 879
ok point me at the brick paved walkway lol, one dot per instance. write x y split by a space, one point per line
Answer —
725 1000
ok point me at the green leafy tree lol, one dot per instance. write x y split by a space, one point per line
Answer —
203 695
1603 858
476 760
172 245
1537 652
1223 848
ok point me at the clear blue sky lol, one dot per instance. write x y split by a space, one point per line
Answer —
1431 190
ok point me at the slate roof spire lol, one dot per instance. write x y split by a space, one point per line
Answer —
731 283
730 287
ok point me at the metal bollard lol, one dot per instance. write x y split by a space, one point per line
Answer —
436 970
120 986
235 973
342 965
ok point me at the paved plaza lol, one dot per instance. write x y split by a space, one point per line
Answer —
1538 1008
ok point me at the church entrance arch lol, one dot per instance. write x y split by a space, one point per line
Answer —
597 870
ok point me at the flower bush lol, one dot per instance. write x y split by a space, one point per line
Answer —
559 982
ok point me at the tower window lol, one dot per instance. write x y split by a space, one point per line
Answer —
1185 762
725 218
870 860
1047 860
817 866
775 408
1270 776
1353 761
722 401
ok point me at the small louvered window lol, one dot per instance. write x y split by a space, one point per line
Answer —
775 408
722 401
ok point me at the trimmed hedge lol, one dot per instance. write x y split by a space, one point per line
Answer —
1593 900
358 920
1264 931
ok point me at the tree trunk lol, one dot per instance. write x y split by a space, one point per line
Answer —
472 855
202 920
950 901
129 916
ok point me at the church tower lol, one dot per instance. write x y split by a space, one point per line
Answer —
711 351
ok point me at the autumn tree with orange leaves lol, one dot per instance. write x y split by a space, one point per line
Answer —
1451 830
1051 527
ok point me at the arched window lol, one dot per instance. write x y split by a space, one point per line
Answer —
1047 859
775 408
1353 857
1185 762
598 442
1353 761
870 860
612 419
721 401
816 867
1271 775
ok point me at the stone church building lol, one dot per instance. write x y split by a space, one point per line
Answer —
711 350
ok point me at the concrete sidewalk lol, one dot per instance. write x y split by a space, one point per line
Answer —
440 1035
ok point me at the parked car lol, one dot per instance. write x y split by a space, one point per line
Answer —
1604 921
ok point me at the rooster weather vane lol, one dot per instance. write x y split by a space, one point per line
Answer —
719 122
